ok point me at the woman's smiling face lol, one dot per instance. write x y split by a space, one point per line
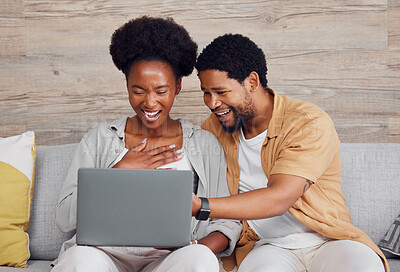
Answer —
152 87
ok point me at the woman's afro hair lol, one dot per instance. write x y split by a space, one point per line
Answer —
153 38
235 54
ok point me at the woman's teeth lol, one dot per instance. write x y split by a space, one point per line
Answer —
151 115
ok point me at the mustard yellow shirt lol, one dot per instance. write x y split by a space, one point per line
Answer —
301 141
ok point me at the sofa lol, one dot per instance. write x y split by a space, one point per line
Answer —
371 184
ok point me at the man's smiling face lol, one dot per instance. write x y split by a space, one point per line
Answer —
228 99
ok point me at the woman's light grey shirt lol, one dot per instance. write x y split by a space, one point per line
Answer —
100 148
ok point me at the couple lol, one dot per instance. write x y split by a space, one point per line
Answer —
282 163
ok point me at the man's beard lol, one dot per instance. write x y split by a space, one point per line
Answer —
241 115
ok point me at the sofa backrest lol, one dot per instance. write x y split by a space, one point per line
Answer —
371 185
370 177
52 163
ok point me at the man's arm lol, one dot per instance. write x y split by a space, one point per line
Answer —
282 192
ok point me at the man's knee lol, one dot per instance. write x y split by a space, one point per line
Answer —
268 258
346 255
197 258
363 258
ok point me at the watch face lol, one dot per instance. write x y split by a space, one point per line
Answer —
203 214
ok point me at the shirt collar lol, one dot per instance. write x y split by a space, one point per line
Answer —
187 127
119 126
275 124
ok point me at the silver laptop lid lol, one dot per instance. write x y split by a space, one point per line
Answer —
134 207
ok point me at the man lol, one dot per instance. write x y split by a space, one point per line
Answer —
283 170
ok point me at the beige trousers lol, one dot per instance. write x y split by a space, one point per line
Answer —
331 256
192 258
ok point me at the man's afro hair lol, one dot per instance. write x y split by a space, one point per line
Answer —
235 54
153 38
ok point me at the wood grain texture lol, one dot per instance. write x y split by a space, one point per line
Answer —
346 82
12 28
394 127
393 23
289 25
11 8
358 130
12 37
57 77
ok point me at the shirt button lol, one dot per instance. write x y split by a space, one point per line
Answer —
116 150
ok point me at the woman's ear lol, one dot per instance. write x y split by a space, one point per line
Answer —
254 81
178 86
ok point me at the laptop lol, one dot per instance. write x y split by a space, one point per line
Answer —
134 207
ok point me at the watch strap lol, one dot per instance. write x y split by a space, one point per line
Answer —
204 210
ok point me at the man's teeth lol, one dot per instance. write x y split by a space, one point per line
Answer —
151 114
222 113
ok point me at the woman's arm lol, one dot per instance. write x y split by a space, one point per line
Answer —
216 241
276 199
67 203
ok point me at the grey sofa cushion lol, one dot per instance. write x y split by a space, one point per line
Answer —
33 266
371 184
51 167
394 265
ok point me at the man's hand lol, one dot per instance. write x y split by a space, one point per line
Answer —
137 158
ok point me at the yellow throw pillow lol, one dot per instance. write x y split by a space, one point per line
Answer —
17 168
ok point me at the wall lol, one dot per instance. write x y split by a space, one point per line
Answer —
57 77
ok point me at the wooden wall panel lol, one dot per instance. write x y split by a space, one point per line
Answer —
11 8
12 36
394 127
57 77
394 23
289 25
12 28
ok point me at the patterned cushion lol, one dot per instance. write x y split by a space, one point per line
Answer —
391 242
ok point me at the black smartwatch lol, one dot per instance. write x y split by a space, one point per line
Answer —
204 210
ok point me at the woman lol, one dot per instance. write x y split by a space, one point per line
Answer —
154 54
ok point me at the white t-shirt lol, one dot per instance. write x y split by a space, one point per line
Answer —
182 164
285 230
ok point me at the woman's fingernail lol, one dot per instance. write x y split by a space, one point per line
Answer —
179 151
145 139
179 156
172 146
